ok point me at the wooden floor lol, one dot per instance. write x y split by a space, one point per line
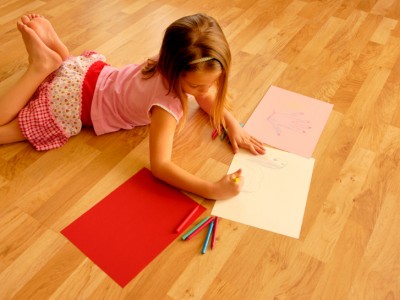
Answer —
345 52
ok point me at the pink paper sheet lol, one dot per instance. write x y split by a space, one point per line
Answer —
126 230
289 121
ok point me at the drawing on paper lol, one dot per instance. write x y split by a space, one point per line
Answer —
268 162
288 120
255 172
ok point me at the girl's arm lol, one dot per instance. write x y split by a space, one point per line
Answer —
162 130
237 135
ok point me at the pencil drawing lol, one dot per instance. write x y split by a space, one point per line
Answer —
255 169
288 120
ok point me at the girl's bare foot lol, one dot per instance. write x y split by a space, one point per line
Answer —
42 59
46 32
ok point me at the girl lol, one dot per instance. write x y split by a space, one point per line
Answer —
59 93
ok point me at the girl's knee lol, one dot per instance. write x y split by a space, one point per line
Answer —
11 133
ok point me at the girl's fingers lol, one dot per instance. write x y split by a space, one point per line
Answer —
236 176
256 141
238 172
258 146
235 146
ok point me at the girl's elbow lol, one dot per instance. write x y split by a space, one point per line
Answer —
157 169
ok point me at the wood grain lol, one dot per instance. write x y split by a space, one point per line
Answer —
345 52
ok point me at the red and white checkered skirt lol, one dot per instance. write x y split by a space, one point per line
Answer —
53 114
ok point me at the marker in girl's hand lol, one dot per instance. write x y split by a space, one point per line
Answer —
236 179
236 176
214 134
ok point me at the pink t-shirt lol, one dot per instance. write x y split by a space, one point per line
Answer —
123 99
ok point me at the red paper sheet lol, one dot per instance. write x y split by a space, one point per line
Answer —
131 226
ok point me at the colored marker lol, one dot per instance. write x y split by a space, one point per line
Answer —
223 135
214 233
179 229
210 229
200 228
214 134
196 227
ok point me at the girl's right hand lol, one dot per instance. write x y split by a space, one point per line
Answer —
229 186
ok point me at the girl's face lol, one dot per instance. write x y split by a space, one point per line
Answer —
197 83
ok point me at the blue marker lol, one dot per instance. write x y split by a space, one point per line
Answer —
203 251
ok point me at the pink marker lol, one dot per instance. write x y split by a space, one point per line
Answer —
214 233
200 228
183 223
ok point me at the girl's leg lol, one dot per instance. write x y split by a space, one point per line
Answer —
46 32
42 62
11 133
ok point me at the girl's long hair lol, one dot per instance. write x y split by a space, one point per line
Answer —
188 39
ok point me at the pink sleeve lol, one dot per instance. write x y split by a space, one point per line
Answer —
170 104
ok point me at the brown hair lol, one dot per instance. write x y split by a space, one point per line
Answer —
188 39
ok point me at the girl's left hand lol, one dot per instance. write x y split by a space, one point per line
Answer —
240 138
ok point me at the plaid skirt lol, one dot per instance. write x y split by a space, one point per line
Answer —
53 114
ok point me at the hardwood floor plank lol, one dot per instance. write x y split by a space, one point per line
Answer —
297 281
48 279
82 282
318 43
185 287
345 52
380 269
383 32
322 239
26 265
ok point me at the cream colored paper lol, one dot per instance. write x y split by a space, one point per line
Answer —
274 193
